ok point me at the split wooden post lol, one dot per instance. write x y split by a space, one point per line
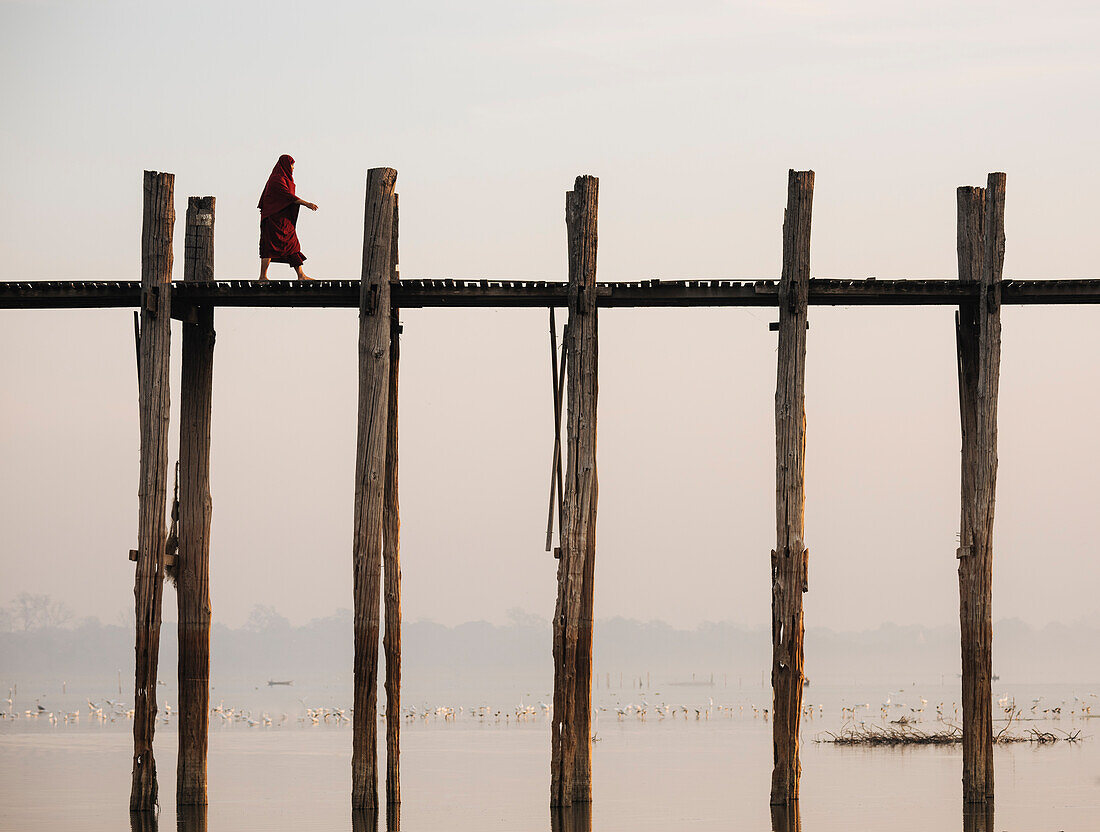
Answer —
981 246
370 476
158 219
571 743
790 557
192 569
391 557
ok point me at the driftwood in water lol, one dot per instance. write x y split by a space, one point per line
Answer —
571 743
158 219
370 476
789 560
192 568
391 559
981 244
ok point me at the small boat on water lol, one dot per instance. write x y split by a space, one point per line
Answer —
272 682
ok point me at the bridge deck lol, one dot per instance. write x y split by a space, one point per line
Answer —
409 294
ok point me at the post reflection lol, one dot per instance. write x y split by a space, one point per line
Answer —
364 820
393 817
575 818
143 822
190 819
787 818
978 817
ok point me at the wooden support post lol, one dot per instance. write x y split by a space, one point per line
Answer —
981 245
391 559
158 219
192 570
789 560
370 477
571 743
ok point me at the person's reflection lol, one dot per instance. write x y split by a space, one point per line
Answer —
190 819
143 822
786 818
575 818
978 817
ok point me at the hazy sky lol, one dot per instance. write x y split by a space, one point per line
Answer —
690 114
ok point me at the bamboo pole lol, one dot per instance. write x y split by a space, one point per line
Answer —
158 219
981 244
192 570
571 746
370 472
391 560
789 559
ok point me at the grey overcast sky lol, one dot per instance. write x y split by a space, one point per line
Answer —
690 113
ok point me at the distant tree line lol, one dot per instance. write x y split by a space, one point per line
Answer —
28 611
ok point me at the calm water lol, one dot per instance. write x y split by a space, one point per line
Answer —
471 773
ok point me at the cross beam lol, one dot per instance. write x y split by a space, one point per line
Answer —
412 294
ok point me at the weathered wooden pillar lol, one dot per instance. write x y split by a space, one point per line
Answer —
981 246
158 219
790 558
192 568
571 743
370 477
391 560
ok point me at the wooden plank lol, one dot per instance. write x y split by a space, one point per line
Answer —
158 219
192 570
391 556
981 244
571 742
370 471
788 578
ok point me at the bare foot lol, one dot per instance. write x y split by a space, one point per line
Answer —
265 278
304 276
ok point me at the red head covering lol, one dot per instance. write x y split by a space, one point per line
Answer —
279 190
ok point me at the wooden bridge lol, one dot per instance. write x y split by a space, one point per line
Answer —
979 292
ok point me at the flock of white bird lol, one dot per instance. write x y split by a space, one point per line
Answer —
897 713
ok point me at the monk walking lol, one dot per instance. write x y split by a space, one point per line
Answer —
278 215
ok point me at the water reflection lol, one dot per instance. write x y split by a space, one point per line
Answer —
143 822
190 819
575 818
787 818
978 817
366 820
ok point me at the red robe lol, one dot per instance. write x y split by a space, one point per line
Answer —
278 214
